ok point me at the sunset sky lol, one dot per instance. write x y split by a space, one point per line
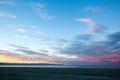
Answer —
60 31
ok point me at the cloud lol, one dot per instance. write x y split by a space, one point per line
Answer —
114 37
41 39
93 26
41 10
26 50
7 2
23 49
84 37
39 32
1 14
37 39
82 49
89 58
21 36
87 49
11 57
114 40
92 8
112 57
17 46
32 57
9 15
57 57
21 30
43 51
86 20
30 52
64 56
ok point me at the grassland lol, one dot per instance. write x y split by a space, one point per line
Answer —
29 73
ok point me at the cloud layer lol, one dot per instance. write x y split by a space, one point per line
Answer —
82 49
88 49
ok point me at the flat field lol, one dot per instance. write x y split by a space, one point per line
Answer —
29 73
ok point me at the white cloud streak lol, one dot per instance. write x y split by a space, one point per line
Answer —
21 36
41 10
86 20
39 32
21 30
9 15
7 2
92 8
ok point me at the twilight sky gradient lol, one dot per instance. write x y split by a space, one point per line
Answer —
60 31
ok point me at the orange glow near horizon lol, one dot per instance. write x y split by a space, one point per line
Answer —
10 58
25 58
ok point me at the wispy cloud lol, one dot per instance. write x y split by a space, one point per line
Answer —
39 32
7 2
18 46
42 39
93 26
86 20
21 36
36 39
92 8
31 29
20 30
26 28
28 51
41 10
25 50
9 15
1 14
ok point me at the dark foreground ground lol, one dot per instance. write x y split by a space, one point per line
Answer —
25 73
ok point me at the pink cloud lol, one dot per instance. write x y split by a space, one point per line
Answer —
89 58
113 57
86 20
93 26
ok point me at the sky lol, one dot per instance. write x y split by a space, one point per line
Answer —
75 32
